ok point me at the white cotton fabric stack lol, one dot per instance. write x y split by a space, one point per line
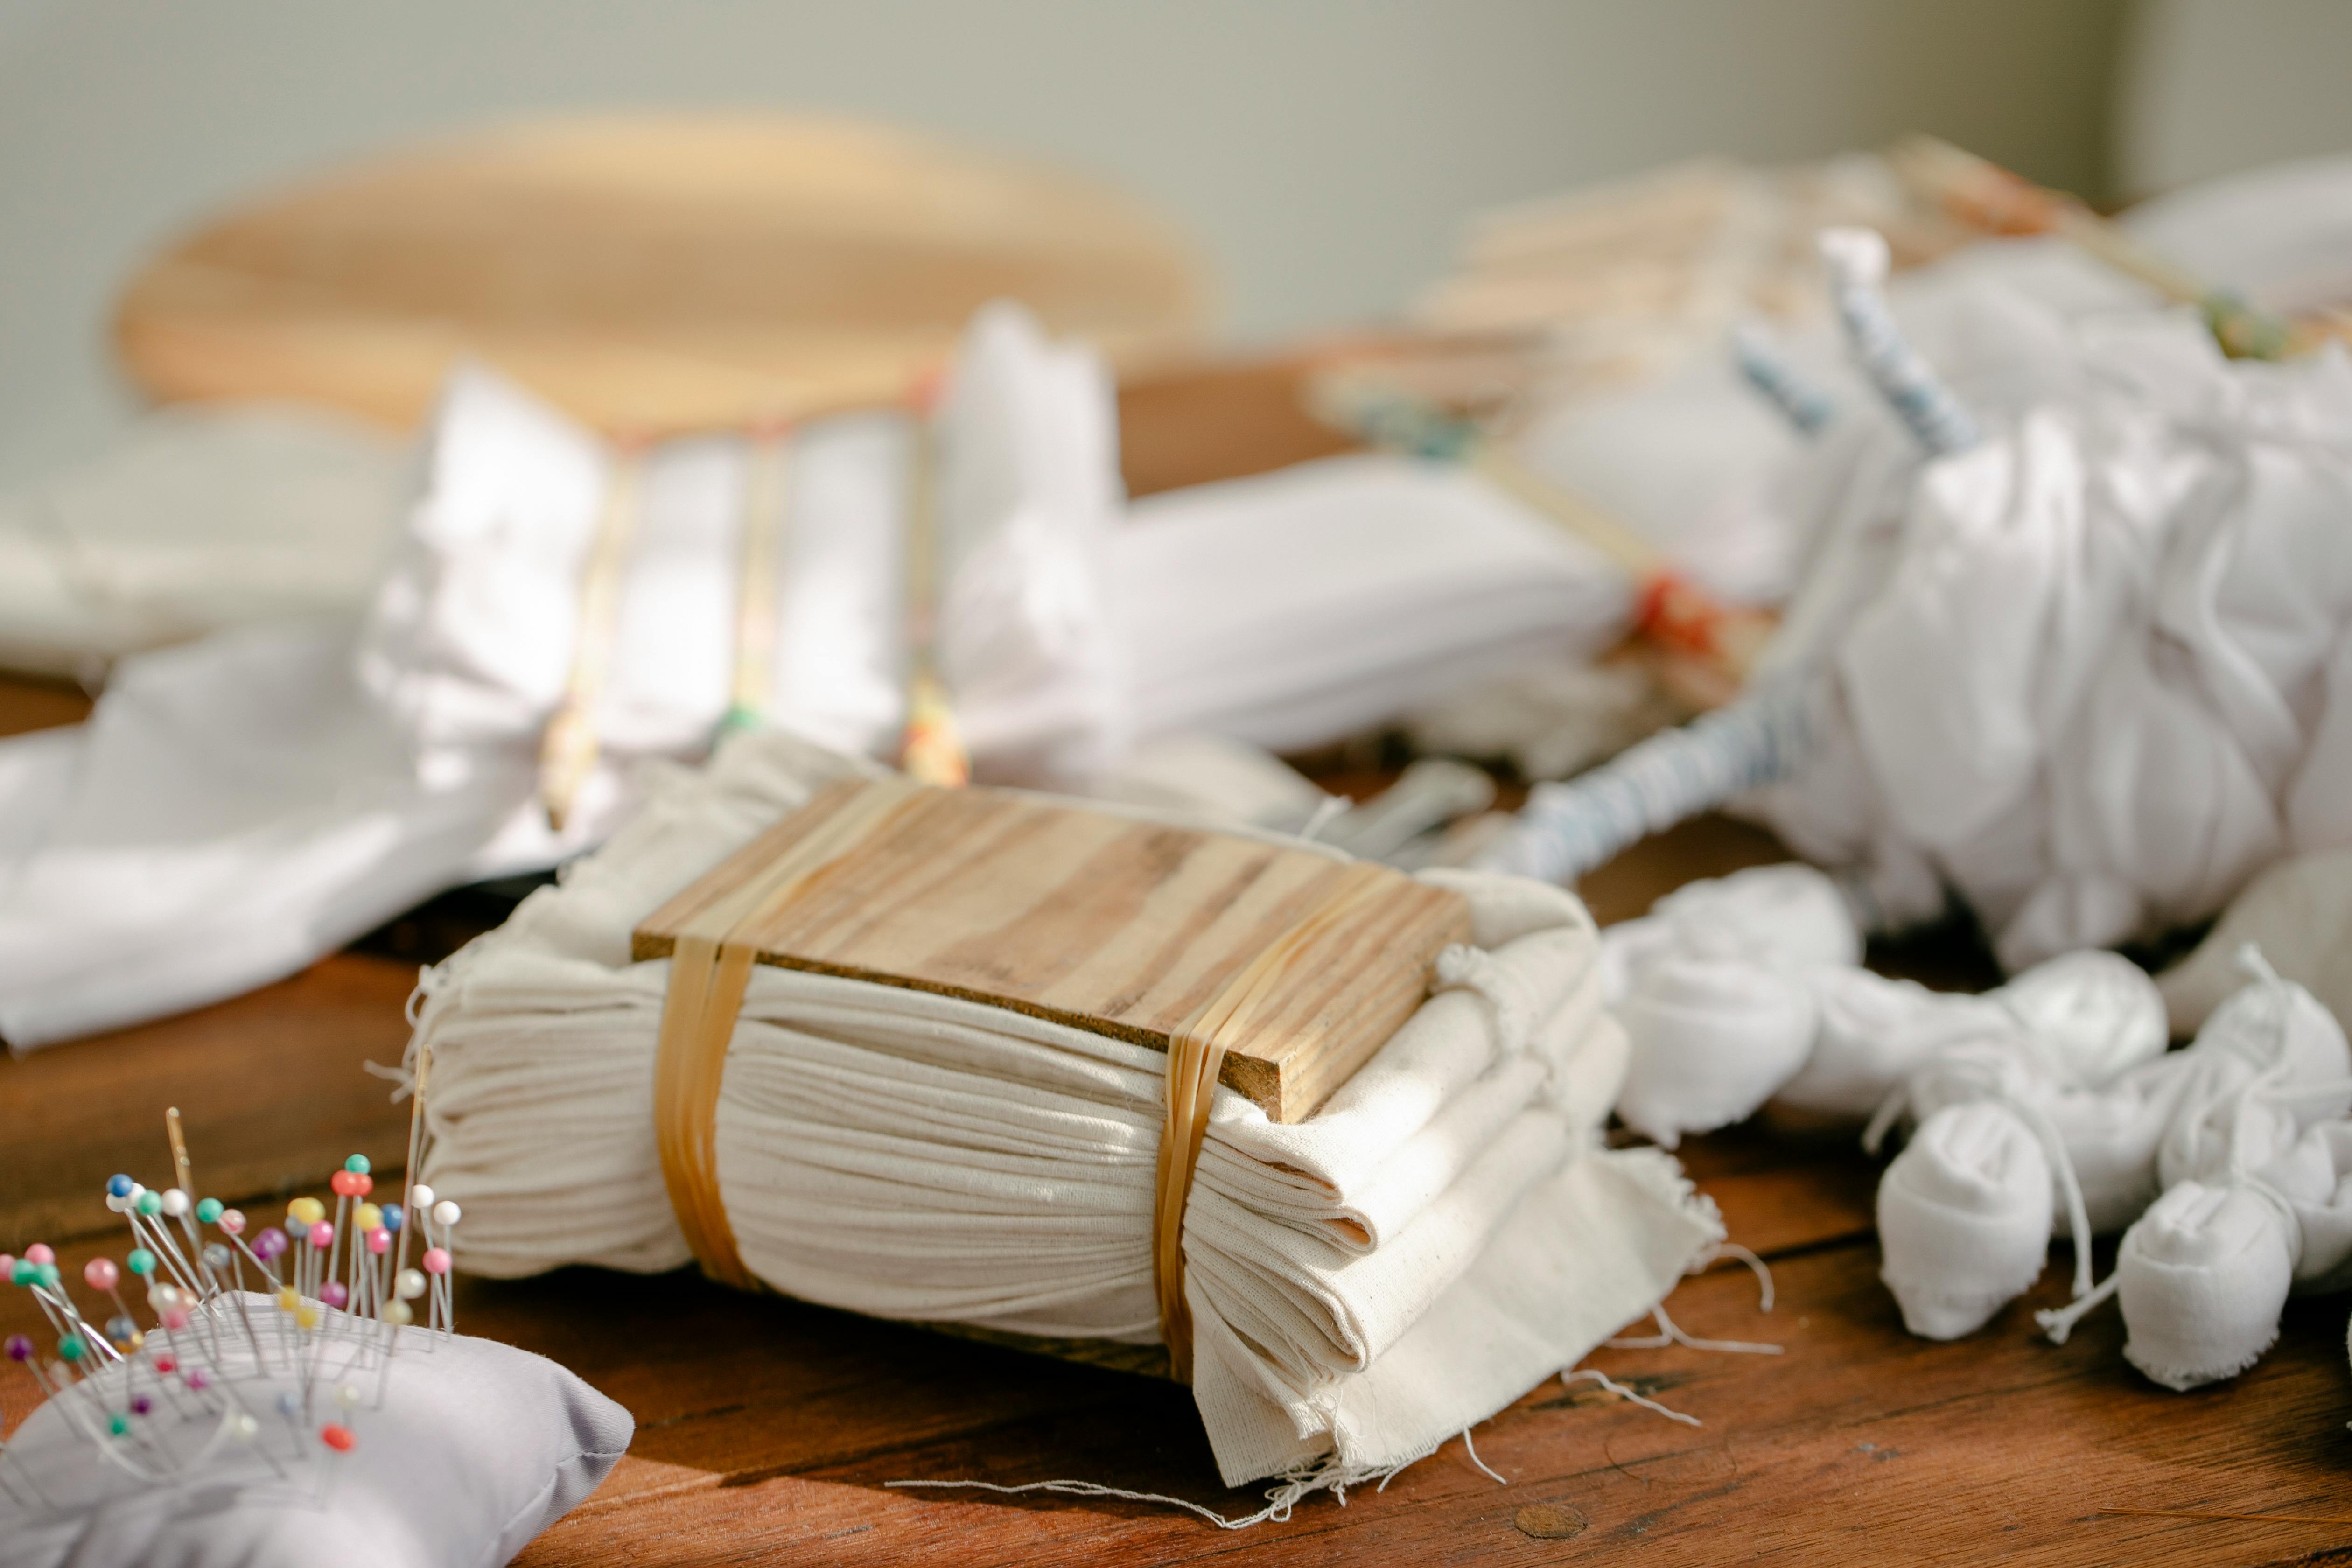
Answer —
238 807
2095 672
1442 1235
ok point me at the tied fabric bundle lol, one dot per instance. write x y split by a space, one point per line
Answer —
1441 1234
2094 671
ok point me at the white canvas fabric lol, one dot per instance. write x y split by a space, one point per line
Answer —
923 1157
477 1447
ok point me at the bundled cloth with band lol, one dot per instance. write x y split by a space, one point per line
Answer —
1317 1137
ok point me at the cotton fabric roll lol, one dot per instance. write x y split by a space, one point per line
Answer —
2203 1277
924 1157
1963 1218
1712 1039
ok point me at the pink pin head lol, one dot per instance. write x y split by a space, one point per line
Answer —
197 1378
39 1253
166 1364
437 1260
233 1221
333 1293
323 1235
379 1241
101 1273
174 1317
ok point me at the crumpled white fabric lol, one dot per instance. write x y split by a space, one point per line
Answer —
240 805
1440 1236
202 517
2299 912
2093 673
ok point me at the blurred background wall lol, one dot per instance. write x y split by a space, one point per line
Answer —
1323 152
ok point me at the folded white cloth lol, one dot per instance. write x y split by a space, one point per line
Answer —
202 517
1299 606
1440 1236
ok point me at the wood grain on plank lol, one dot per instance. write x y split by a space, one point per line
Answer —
1124 927
272 1088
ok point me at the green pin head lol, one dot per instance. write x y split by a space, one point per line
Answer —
151 1202
357 1165
209 1210
141 1262
71 1348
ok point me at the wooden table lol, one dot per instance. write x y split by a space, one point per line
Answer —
768 1431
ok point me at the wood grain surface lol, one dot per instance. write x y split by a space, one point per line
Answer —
1123 927
769 1431
648 273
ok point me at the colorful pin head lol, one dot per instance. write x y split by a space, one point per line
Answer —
19 1348
119 1185
333 1294
151 1203
216 1256
209 1211
358 1165
344 1183
142 1405
323 1235
379 1241
367 1217
198 1379
141 1262
271 1242
232 1222
436 1260
101 1273
121 1328
118 1424
393 1220
338 1437
309 1210
39 1253
71 1347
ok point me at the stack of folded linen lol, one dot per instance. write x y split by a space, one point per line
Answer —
1442 1233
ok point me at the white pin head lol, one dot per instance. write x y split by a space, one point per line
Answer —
420 1198
177 1203
447 1213
409 1285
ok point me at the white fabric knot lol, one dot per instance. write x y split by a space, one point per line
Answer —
1963 1218
2204 1277
1712 1039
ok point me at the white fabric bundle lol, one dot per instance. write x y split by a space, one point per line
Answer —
1748 988
2258 1202
2299 913
238 807
2097 671
1441 1234
2110 1144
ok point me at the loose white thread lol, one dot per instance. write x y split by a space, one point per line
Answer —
1472 1449
1622 1392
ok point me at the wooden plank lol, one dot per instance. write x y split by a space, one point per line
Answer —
1105 922
272 1088
27 704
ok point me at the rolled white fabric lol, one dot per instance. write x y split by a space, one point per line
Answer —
1875 1033
1963 1218
924 1157
1712 1039
1788 915
2097 1014
2203 1277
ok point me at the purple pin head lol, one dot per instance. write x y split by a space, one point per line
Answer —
141 1405
269 1243
333 1294
19 1348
